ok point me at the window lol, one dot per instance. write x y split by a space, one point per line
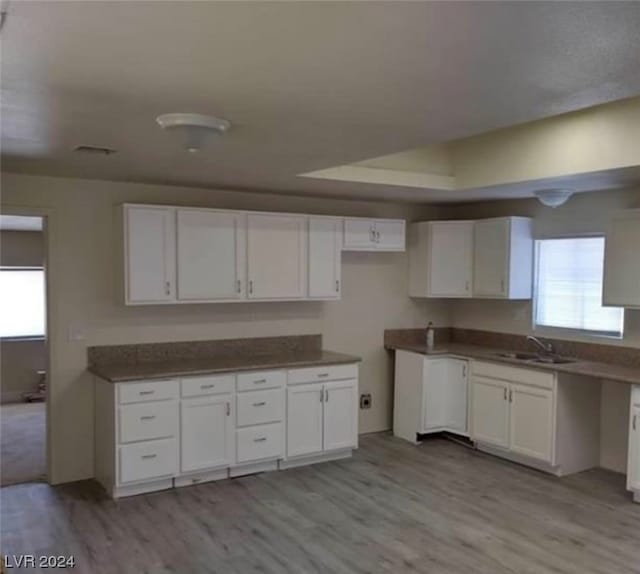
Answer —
569 287
22 302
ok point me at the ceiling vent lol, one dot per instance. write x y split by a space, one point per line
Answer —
95 150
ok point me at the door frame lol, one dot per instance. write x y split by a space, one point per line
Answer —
48 226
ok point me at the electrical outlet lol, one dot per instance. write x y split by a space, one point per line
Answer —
365 401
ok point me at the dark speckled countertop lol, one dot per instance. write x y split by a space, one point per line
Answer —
581 367
128 371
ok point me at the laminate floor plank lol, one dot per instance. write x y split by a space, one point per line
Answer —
437 508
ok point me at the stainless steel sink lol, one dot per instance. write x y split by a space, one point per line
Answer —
535 358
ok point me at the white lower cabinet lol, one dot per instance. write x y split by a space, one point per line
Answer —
544 419
633 469
152 435
430 395
206 433
322 417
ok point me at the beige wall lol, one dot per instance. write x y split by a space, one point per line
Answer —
20 360
84 265
584 213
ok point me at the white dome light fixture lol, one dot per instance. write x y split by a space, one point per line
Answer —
553 197
195 128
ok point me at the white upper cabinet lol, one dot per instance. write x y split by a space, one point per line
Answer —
211 255
325 244
441 259
150 254
503 258
277 256
362 234
622 261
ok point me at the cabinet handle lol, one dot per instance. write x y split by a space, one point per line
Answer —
239 286
261 404
250 286
634 421
320 375
377 236
326 395
372 234
464 371
260 439
167 288
466 286
337 286
259 381
505 393
502 286
147 456
228 409
510 396
141 393
321 395
148 418
210 386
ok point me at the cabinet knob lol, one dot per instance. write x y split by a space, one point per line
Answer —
239 286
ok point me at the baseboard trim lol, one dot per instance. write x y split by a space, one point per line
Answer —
315 458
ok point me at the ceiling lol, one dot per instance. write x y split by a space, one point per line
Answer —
20 223
307 85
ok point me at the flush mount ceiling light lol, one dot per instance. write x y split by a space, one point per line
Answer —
553 197
194 128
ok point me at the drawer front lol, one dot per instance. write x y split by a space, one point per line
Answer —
320 374
635 395
259 380
208 385
148 460
145 421
147 391
260 407
258 443
514 374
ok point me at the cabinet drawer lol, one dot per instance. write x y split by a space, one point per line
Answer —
256 443
147 391
514 374
148 460
208 385
319 374
260 407
258 380
146 421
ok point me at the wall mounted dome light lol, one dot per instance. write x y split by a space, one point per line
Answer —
553 197
195 129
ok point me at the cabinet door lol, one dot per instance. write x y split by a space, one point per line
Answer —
304 419
325 246
359 234
457 395
390 234
531 421
277 261
490 411
211 255
491 258
150 254
633 471
434 410
207 433
340 415
451 259
622 263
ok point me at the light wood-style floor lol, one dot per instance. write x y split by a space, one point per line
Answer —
437 508
22 443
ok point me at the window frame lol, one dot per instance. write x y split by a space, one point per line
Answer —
550 330
42 337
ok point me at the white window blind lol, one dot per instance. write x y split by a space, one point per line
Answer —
569 287
22 302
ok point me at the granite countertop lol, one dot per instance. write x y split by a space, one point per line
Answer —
126 372
581 367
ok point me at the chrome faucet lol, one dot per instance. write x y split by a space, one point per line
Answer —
547 348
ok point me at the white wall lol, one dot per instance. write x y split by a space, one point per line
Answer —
584 213
84 266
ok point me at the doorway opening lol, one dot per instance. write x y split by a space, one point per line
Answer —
23 350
